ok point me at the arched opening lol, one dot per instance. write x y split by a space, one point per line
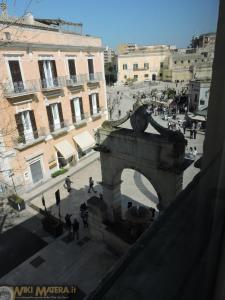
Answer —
153 77
137 190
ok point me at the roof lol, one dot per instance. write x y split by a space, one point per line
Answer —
21 21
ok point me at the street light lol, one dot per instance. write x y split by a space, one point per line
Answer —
11 175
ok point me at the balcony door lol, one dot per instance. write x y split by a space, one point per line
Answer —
55 115
16 75
94 104
91 69
48 73
72 70
28 130
26 126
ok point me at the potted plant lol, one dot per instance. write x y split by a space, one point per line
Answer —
16 202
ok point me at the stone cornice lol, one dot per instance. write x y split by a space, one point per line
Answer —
51 47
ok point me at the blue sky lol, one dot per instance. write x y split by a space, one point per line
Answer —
122 21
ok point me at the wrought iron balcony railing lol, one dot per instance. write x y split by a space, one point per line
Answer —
53 83
15 89
94 77
75 80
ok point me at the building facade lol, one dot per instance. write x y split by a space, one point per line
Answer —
53 97
199 94
142 63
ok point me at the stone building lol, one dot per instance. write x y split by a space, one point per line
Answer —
199 94
141 63
53 97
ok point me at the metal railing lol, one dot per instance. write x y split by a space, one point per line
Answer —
58 126
93 77
74 80
21 87
30 137
15 89
51 83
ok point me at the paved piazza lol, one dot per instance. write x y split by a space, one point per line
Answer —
63 261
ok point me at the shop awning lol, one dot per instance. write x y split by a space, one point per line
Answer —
84 140
65 149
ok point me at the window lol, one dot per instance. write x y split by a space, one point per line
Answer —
94 103
202 102
189 61
26 126
146 75
77 109
135 66
175 62
182 61
135 77
55 116
91 69
160 74
72 69
196 60
16 75
161 65
124 66
48 73
125 76
36 171
7 36
146 66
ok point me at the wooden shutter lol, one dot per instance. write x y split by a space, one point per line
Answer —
53 67
90 103
41 69
73 111
50 118
72 68
20 127
33 123
97 101
60 114
81 108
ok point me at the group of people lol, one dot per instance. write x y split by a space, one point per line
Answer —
73 227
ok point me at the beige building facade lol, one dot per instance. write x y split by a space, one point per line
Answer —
53 98
143 63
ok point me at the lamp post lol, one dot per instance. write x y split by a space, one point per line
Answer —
11 175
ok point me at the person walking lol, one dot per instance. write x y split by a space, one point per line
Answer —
184 127
195 133
68 183
68 222
75 227
119 113
91 185
84 216
191 154
195 152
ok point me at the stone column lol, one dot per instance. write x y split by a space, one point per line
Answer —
112 198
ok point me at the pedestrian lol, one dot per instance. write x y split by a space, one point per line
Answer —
191 133
83 207
195 152
68 222
68 183
75 226
91 185
184 127
195 133
119 113
84 216
191 154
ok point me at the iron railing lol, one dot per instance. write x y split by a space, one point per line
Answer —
21 87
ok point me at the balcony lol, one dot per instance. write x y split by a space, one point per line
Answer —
75 80
58 129
29 139
20 88
97 115
50 84
82 121
141 69
94 78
